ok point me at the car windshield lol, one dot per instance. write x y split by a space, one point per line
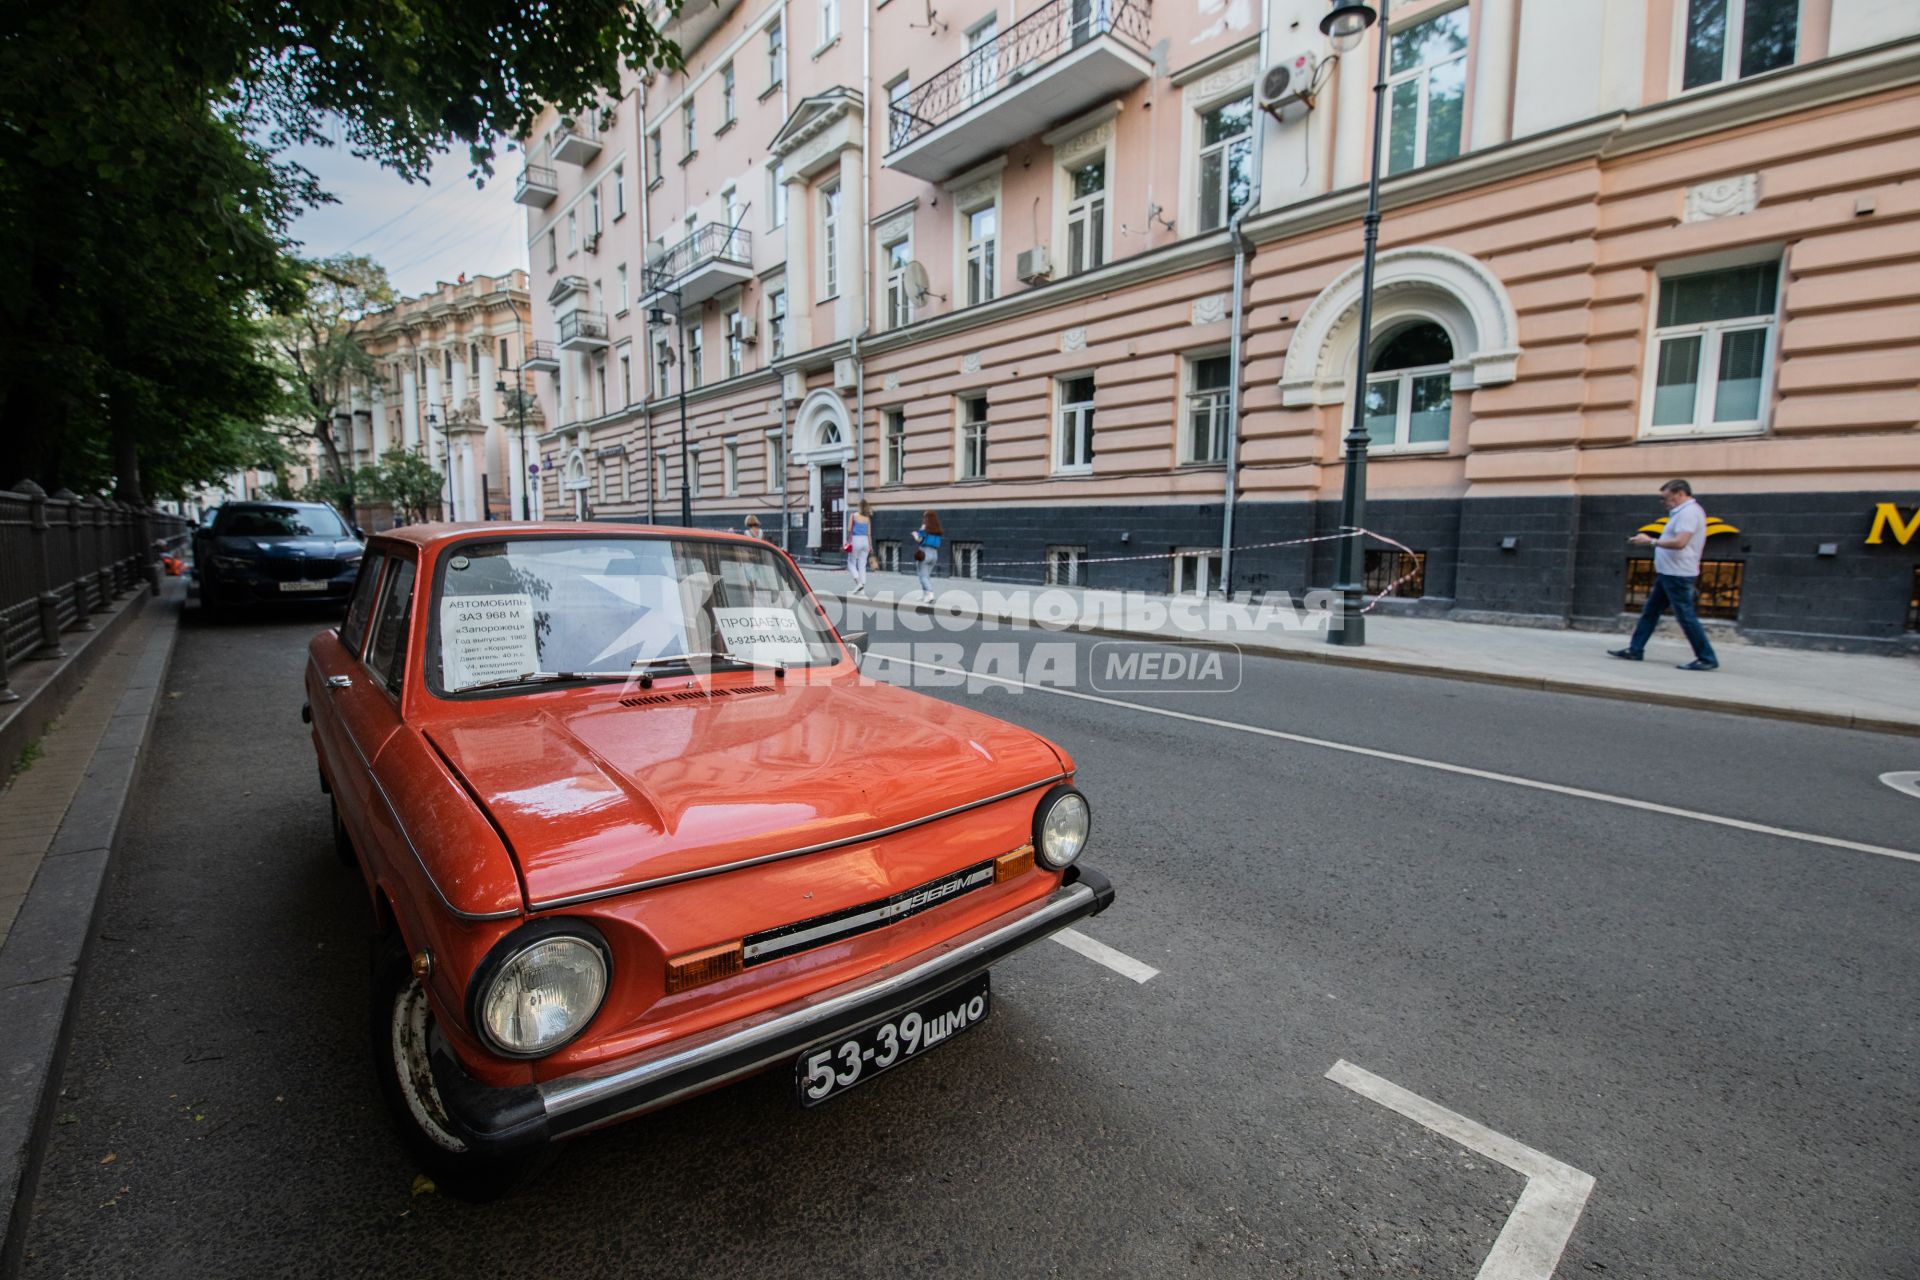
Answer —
280 522
521 606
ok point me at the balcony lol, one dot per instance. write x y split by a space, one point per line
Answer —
1064 58
692 23
540 358
710 261
583 331
536 187
575 141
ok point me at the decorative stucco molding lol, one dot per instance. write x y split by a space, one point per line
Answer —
1453 289
892 382
1722 198
975 194
1074 340
1223 81
1084 144
899 226
1210 310
970 362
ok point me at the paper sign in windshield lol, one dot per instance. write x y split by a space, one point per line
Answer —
763 635
486 638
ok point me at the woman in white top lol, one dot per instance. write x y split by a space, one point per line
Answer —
860 544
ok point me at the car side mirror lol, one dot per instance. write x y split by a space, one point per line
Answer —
359 533
856 641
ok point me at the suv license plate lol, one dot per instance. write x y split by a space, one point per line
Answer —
833 1068
304 586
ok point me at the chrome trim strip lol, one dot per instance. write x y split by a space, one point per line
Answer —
401 827
574 900
759 1043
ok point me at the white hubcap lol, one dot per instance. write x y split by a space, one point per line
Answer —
412 1019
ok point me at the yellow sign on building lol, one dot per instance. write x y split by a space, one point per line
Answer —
1886 517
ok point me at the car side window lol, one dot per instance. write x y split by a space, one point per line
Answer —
360 605
387 654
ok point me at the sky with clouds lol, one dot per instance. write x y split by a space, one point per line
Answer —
420 232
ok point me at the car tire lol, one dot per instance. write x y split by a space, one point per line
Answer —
342 839
402 1025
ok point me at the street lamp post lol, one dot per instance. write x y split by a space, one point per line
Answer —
446 456
520 407
1345 27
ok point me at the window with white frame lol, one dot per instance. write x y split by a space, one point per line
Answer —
1087 216
899 120
983 61
776 478
593 212
1196 571
830 231
622 294
982 238
599 406
777 195
1209 405
1226 161
689 130
626 376
656 155
1733 39
693 473
777 323
662 365
553 249
619 191
829 22
1712 350
967 559
973 438
573 232
730 467
730 201
1426 90
1073 424
696 362
895 460
1066 566
897 254
605 469
776 54
1410 390
505 354
727 108
736 342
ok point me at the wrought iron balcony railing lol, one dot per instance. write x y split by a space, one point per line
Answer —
715 242
583 327
540 356
1052 31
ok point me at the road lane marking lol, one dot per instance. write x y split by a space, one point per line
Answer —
1542 1221
1534 784
1905 783
1100 953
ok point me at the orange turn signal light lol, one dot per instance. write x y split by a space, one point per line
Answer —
698 968
1016 863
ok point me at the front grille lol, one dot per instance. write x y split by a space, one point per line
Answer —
692 695
300 570
774 944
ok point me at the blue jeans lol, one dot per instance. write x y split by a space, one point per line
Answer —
1669 589
925 569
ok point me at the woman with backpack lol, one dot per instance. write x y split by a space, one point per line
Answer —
930 536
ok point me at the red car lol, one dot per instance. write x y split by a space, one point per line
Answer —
634 825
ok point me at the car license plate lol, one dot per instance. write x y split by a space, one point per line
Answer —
833 1068
320 585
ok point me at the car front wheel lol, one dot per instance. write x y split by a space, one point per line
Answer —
402 1026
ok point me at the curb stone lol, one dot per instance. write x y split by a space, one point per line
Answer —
45 952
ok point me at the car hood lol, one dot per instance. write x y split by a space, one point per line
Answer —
289 548
593 795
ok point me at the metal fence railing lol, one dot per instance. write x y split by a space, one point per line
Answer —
1052 31
715 242
65 558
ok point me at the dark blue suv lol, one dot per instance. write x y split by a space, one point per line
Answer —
275 552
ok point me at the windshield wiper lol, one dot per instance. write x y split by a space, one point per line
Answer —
542 677
714 657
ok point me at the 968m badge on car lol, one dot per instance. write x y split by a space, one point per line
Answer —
830 1069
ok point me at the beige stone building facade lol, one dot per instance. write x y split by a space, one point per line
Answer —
986 261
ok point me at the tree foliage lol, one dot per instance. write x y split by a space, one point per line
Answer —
404 480
144 211
317 346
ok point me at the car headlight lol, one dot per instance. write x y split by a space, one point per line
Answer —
235 564
1060 827
539 988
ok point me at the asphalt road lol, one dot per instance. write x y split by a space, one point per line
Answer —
1719 1025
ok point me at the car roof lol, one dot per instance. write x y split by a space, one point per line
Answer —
270 504
430 537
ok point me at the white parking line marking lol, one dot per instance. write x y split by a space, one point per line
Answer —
1100 953
1905 783
1581 793
1542 1221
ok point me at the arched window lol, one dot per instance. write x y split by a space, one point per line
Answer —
829 433
1410 389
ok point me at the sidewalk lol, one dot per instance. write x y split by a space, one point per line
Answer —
1849 690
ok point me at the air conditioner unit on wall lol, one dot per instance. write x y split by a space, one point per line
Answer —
1033 265
1288 83
591 241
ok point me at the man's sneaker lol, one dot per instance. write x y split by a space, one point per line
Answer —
1628 654
1697 665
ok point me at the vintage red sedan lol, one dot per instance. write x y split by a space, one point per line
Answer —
634 825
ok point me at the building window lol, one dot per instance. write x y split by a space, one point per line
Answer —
736 344
553 249
689 130
1209 404
829 22
1196 571
1226 161
621 292
626 376
446 365
730 464
573 232
593 213
897 255
899 119
967 558
973 437
1066 566
1712 350
983 226
983 60
619 192
1073 434
830 229
1426 89
776 464
662 365
1410 390
1716 594
696 339
727 112
776 54
889 553
693 473
1385 567
1086 217
777 195
896 451
1734 39
777 323
505 353
656 156
473 359
600 386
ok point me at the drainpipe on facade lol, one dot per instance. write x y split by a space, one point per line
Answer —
786 466
1242 250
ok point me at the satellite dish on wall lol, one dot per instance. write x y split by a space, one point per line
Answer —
918 285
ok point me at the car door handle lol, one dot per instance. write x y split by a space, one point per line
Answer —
339 682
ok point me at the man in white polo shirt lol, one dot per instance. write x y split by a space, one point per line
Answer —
1676 572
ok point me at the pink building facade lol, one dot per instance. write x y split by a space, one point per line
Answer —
984 261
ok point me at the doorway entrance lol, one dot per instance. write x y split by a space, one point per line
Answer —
833 509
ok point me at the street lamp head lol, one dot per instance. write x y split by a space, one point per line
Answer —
1347 23
500 385
656 316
